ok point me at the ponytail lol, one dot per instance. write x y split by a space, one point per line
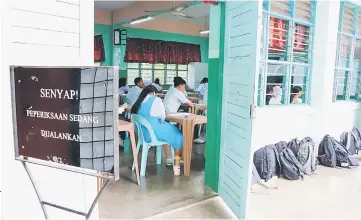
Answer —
143 94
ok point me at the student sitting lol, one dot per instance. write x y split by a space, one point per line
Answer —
175 96
151 107
135 91
201 87
296 95
276 96
157 85
123 87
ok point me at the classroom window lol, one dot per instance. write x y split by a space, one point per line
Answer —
347 84
286 52
164 72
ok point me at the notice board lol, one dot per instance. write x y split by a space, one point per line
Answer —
67 118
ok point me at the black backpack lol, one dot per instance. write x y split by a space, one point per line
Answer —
294 145
291 168
267 163
332 153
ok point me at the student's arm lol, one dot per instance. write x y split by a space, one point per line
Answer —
184 99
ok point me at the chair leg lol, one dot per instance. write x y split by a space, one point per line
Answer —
159 154
172 150
126 144
143 165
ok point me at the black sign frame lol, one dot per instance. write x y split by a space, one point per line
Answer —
102 174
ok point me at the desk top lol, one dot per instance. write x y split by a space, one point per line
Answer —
180 117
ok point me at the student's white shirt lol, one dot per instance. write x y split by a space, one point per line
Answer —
133 94
123 90
274 101
173 100
157 87
201 88
297 101
157 110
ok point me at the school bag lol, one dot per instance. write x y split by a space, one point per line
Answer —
306 155
267 163
291 168
332 153
294 145
349 140
326 152
357 134
281 145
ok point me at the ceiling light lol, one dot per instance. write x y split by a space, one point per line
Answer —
140 20
204 32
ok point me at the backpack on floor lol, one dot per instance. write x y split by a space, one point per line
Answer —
349 140
294 145
281 145
357 134
326 152
306 155
267 163
332 153
291 168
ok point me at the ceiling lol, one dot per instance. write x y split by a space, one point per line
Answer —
111 5
200 12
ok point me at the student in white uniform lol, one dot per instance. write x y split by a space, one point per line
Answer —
135 91
157 85
296 95
201 87
175 96
276 98
123 87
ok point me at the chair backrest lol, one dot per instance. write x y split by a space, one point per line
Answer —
140 121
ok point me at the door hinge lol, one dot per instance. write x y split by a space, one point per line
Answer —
252 111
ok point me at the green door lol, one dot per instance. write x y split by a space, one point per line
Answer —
242 23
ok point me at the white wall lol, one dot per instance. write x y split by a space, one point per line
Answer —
277 123
42 32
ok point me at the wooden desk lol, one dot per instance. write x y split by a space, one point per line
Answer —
197 107
194 99
129 127
187 122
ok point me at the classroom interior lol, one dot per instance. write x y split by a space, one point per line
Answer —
177 23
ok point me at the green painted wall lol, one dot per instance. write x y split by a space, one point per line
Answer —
215 87
106 31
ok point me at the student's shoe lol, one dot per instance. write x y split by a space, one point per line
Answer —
199 141
169 162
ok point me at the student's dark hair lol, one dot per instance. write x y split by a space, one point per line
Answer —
179 81
156 81
294 90
137 80
269 96
205 80
143 94
122 82
176 78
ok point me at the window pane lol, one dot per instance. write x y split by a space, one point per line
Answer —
170 76
133 65
160 75
171 66
357 55
341 84
302 43
303 10
183 74
281 7
355 88
182 67
132 74
147 74
159 66
344 54
275 90
146 66
278 37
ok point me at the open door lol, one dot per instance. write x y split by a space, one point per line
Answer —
242 25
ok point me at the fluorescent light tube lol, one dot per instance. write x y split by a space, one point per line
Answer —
204 32
140 20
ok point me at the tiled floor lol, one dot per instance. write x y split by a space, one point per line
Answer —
159 192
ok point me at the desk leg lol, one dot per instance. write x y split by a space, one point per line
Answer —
187 148
135 155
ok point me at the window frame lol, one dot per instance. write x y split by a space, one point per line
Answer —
291 22
356 14
153 69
